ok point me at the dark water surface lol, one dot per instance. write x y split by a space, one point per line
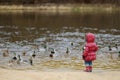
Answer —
19 32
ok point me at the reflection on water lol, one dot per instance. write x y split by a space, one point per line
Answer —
23 32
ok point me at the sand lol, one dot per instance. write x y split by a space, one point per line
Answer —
6 74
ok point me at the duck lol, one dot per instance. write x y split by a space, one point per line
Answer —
109 48
67 51
43 48
119 54
14 57
52 53
116 46
31 61
19 59
71 43
24 53
34 55
113 49
6 53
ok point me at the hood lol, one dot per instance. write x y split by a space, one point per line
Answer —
90 37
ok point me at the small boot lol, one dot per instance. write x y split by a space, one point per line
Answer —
90 68
87 69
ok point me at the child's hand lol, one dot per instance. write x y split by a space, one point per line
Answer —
83 48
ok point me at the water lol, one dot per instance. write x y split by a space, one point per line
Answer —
24 32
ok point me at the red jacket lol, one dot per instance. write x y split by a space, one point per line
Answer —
89 53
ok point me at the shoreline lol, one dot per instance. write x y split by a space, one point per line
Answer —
59 8
37 75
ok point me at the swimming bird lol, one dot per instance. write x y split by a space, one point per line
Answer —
113 49
43 48
6 53
109 47
24 53
119 54
34 55
14 59
67 51
19 59
71 43
116 46
31 61
52 53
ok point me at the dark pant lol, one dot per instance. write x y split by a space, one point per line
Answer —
88 63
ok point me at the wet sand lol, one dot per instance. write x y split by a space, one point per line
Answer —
56 75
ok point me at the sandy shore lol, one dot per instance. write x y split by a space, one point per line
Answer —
39 75
61 7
